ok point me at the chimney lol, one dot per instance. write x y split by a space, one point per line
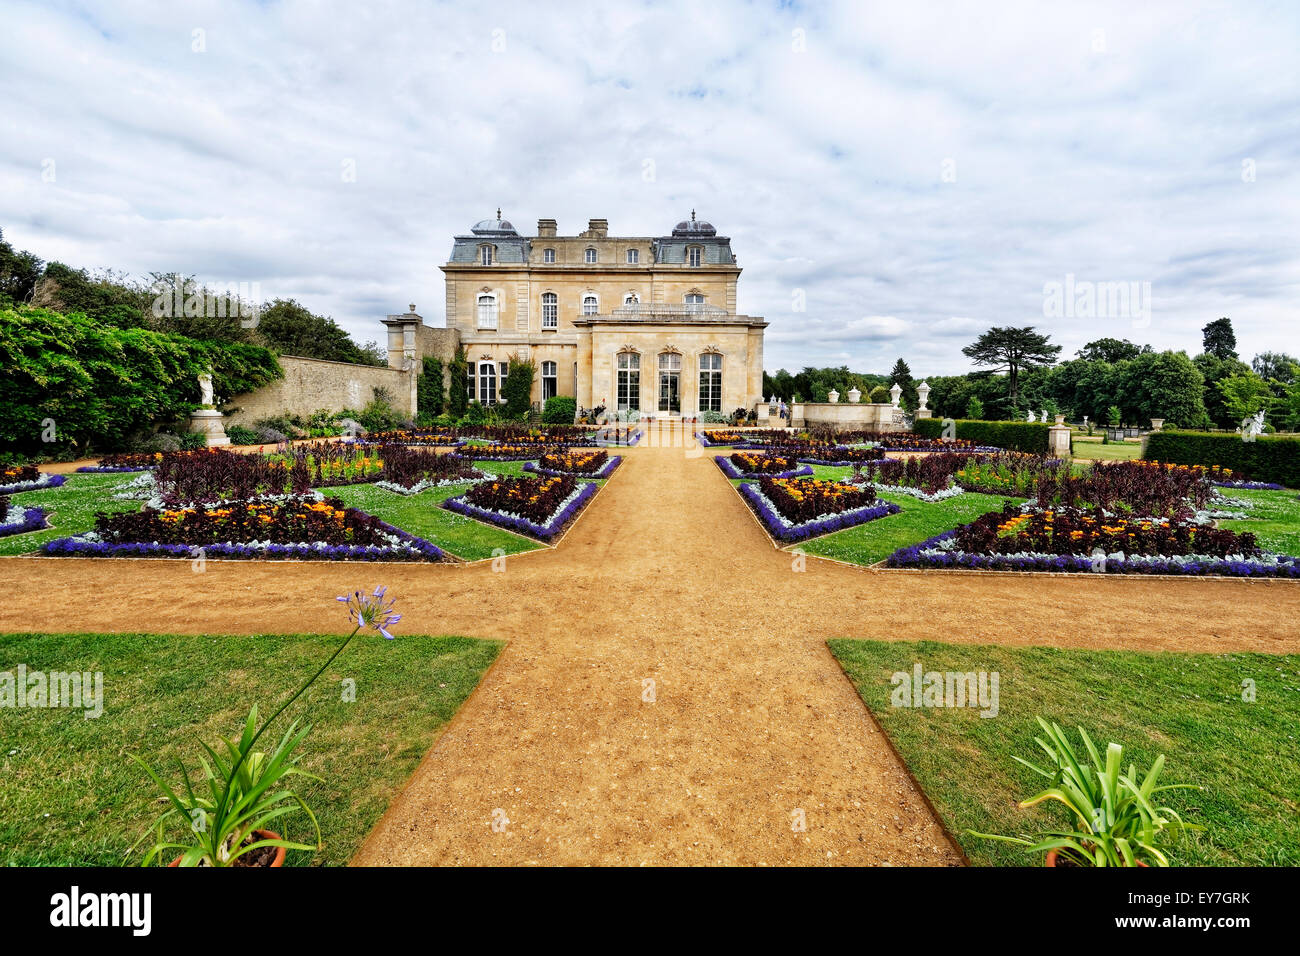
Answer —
545 228
597 228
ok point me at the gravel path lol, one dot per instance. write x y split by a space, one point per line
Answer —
664 578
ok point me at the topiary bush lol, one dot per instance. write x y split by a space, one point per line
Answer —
560 410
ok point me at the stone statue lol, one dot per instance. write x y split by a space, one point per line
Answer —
205 389
1256 423
1044 415
1031 417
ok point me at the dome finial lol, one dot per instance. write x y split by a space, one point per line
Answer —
692 215
498 212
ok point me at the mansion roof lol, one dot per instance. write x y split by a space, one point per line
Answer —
510 248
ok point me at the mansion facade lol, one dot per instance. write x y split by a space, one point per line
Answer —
631 323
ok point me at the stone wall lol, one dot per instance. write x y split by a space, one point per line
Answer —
312 384
847 416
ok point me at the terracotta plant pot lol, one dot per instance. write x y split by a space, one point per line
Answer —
1052 860
277 860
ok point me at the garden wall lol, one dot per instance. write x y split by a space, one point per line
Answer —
1015 436
309 385
1265 459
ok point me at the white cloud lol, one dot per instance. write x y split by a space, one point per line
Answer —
827 167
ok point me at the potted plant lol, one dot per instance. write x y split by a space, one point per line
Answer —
228 816
1117 822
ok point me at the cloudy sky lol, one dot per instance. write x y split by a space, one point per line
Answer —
895 177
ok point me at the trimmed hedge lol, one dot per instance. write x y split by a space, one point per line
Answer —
1014 436
1265 459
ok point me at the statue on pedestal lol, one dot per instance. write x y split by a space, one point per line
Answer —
205 390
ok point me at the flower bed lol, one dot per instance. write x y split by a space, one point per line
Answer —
1141 487
409 468
18 478
753 438
941 552
296 526
580 464
216 474
521 452
127 461
794 509
15 519
438 438
539 507
747 464
625 438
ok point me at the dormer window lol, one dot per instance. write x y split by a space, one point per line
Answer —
694 300
548 255
631 298
590 305
694 255
485 255
633 256
590 256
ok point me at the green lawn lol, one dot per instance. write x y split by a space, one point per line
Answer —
1186 706
71 795
1114 451
1275 519
70 509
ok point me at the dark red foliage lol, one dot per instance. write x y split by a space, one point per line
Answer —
535 499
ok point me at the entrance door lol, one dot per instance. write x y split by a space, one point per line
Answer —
670 376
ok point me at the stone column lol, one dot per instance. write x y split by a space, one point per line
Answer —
1058 441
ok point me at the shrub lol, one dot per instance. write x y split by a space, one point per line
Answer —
560 410
379 415
1028 437
879 395
517 389
270 436
974 409
242 435
192 441
1274 459
430 395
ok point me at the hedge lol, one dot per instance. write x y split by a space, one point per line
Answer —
1266 458
1016 436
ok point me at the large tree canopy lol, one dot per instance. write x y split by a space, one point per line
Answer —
1219 339
1111 350
1012 350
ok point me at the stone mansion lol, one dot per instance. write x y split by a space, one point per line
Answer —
628 322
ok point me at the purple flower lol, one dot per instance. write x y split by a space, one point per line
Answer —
371 610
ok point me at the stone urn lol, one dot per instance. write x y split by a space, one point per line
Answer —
833 397
1157 424
855 395
1060 419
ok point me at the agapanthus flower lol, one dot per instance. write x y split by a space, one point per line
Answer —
371 610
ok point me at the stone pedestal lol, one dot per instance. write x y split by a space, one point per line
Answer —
1058 441
923 413
207 421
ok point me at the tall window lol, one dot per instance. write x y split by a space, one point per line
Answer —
469 379
487 383
548 255
633 256
631 298
485 255
590 256
694 254
550 310
487 311
670 373
629 381
710 382
694 298
590 305
550 380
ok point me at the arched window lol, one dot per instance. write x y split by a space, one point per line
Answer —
694 299
590 305
694 255
487 383
633 256
550 380
550 310
629 381
485 255
487 310
548 255
710 382
631 298
589 256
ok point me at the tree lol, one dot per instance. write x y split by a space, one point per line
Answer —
292 329
430 395
901 375
517 389
1012 350
1244 395
974 409
1111 350
879 395
1162 385
457 389
1214 370
1275 367
1219 339
19 272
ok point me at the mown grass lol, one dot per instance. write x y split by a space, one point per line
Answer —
1112 451
1188 707
72 795
1274 519
70 509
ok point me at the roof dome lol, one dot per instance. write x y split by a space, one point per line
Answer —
694 227
494 227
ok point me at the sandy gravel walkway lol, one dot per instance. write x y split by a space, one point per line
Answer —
664 578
